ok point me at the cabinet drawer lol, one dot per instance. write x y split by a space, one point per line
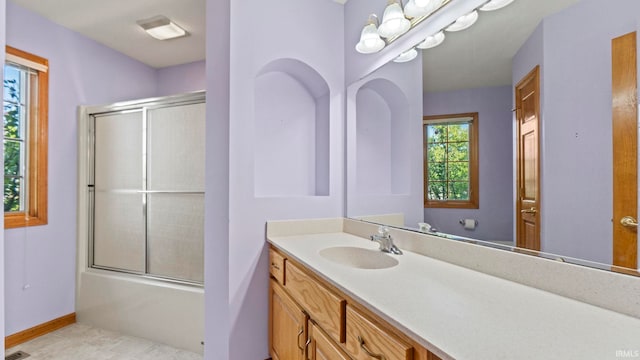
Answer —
276 266
324 307
365 340
322 348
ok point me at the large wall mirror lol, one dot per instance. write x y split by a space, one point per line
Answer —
554 87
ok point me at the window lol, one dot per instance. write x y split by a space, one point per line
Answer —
25 109
451 161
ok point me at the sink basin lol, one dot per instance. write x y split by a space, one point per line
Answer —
359 258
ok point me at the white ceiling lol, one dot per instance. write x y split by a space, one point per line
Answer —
113 23
481 55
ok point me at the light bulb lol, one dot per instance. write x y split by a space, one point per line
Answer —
406 56
432 41
495 5
464 22
370 41
418 8
393 21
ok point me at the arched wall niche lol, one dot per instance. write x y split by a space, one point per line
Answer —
291 149
382 127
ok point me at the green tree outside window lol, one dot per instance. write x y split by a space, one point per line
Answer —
13 139
450 145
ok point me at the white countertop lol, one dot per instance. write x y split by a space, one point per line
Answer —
466 314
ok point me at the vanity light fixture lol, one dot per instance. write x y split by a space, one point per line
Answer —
417 8
406 56
495 5
464 22
370 41
161 28
432 41
394 23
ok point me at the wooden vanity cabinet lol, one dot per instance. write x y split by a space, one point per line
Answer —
310 319
322 348
287 325
325 307
366 340
276 266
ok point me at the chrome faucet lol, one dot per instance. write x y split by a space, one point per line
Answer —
386 243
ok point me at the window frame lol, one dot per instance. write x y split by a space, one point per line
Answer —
37 149
474 175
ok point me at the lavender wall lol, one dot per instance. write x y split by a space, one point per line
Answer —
323 144
384 143
576 147
321 47
216 230
528 57
578 180
373 143
495 214
40 261
383 126
285 152
181 78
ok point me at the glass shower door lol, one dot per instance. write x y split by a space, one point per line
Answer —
148 191
175 184
119 222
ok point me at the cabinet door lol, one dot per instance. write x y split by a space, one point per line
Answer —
322 348
323 305
287 326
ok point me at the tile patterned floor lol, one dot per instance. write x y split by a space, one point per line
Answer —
82 342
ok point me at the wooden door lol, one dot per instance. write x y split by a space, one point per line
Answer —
527 97
287 326
625 148
322 348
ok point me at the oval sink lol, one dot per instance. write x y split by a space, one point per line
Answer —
359 258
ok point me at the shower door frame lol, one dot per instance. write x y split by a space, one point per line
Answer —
86 177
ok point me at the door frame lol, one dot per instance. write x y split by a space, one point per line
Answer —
534 75
624 112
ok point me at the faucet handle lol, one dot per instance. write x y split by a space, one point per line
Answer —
383 231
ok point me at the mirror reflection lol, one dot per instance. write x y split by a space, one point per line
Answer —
553 86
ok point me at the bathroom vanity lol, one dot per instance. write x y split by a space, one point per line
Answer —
333 295
309 314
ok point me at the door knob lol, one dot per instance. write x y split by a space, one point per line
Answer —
529 211
629 221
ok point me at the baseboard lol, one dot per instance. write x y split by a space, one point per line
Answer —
39 330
